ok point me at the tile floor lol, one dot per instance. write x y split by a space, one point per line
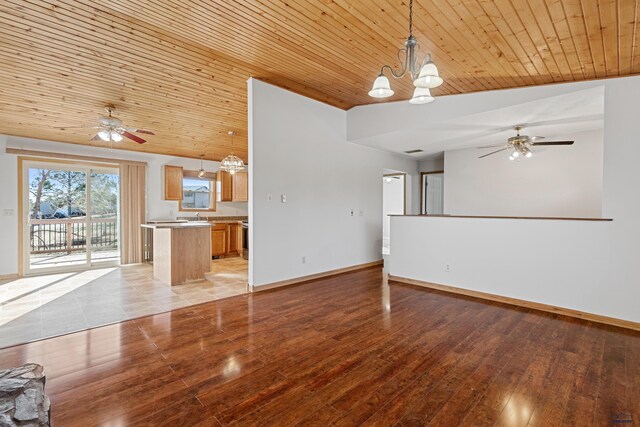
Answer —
62 259
40 307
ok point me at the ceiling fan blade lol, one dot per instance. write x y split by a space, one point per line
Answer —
491 146
148 132
133 137
96 138
554 143
76 127
533 138
493 152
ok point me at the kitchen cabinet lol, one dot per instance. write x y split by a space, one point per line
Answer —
218 239
241 187
226 186
235 239
234 187
172 182
226 239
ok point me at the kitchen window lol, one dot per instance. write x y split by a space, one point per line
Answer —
198 194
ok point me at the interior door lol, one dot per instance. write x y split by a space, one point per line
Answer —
434 194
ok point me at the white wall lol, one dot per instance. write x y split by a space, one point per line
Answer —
563 181
156 207
298 147
588 266
392 203
431 164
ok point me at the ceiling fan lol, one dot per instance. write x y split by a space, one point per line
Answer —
112 129
520 145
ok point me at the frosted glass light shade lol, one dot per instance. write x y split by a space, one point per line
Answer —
104 135
428 77
421 95
381 88
116 137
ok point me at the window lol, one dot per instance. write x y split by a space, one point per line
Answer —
198 194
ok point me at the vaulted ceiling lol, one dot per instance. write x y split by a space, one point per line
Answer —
180 68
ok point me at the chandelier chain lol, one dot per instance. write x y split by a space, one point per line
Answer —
410 17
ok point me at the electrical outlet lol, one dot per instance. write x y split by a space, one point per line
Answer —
8 212
304 259
351 212
447 268
360 212
269 197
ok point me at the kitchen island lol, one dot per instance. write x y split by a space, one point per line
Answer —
181 251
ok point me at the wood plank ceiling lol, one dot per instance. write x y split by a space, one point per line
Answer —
180 68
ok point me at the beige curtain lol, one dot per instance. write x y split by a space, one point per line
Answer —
132 212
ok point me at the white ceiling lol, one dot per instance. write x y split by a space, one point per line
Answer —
561 115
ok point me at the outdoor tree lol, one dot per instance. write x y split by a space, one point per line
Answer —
70 193
104 194
39 187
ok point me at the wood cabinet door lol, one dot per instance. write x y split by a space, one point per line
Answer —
235 236
218 240
226 186
241 187
172 182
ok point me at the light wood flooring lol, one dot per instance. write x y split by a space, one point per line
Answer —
38 307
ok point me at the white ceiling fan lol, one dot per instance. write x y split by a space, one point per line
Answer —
112 129
520 145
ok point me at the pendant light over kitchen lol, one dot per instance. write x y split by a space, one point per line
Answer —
201 172
231 163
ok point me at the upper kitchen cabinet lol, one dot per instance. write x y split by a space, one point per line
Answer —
234 187
172 182
241 187
226 186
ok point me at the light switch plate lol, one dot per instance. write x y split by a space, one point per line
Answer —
283 198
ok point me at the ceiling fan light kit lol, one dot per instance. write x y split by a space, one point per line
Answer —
520 145
424 75
112 129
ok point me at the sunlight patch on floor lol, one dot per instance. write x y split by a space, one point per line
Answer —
22 296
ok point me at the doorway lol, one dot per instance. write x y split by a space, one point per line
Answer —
432 193
72 216
393 203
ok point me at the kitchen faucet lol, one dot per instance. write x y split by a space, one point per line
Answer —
197 215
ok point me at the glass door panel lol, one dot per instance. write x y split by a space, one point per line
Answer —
56 217
104 210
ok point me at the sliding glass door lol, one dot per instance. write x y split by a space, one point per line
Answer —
71 216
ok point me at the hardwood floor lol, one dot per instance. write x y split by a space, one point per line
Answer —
345 350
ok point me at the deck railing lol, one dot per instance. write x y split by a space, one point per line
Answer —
70 234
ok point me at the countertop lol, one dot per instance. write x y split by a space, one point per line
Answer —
510 217
231 219
189 224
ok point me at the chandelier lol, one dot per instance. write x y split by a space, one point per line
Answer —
423 74
231 163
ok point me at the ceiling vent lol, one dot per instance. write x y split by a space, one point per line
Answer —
413 151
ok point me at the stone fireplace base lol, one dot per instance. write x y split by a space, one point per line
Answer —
22 398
